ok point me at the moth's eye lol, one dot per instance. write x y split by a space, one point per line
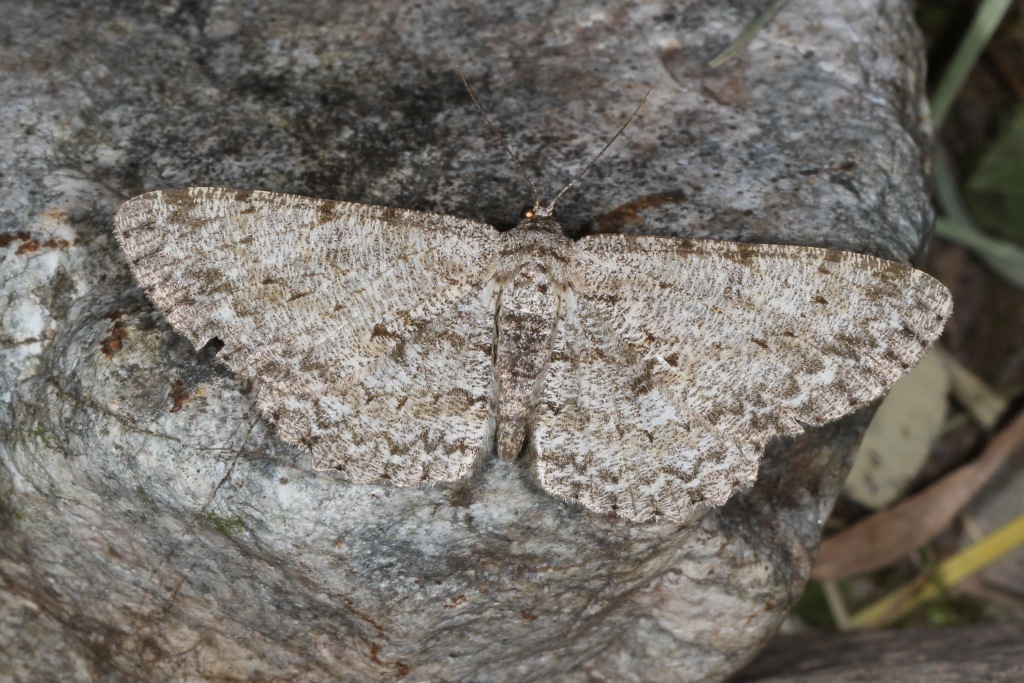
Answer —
527 212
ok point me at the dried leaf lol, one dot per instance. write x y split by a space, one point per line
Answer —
901 435
883 538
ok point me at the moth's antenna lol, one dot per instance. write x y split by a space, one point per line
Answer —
593 161
494 129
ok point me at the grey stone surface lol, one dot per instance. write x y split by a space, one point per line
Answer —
152 527
979 653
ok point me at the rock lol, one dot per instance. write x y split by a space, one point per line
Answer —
963 654
154 528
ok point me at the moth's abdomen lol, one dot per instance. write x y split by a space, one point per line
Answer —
526 319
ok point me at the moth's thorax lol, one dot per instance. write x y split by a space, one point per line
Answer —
534 253
532 279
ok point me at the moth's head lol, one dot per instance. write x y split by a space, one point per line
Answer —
537 217
537 214
537 211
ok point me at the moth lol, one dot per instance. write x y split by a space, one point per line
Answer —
642 375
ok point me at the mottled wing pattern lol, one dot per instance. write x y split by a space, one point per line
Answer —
422 414
609 436
332 307
748 341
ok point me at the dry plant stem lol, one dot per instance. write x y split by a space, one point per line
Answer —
951 572
748 35
987 18
985 404
881 539
837 605
1009 73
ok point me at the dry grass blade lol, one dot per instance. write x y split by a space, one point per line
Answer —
985 405
984 23
952 571
748 35
881 539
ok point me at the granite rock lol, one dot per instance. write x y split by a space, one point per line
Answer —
152 525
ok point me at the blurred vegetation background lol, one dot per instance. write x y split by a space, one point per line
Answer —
930 530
